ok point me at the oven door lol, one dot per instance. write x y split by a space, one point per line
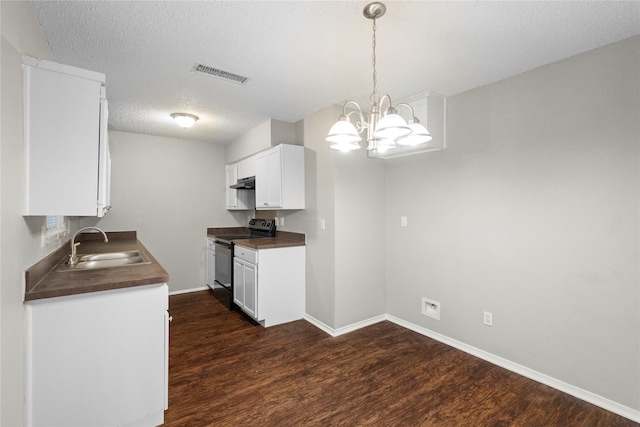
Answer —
224 263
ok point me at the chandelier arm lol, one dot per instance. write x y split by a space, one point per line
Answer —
358 110
408 106
344 107
388 99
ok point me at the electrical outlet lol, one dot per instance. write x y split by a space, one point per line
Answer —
431 308
323 224
488 318
403 221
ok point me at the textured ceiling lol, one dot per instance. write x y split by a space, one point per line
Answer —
302 56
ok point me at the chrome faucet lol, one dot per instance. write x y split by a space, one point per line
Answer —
73 258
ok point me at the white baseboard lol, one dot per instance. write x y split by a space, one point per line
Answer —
186 291
345 329
585 395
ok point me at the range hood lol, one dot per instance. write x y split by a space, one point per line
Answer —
248 183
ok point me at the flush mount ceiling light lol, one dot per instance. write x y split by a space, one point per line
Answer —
385 130
184 120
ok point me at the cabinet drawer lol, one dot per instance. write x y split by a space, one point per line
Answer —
245 254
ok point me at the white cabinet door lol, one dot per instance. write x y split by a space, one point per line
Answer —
280 179
269 179
98 358
232 178
238 282
245 287
250 290
62 128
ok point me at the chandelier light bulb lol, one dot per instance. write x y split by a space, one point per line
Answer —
343 132
391 126
419 135
345 146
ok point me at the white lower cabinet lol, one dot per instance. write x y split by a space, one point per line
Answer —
269 284
98 359
245 281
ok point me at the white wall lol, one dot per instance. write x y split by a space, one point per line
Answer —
532 214
170 191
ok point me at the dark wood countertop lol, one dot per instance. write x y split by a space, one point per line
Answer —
283 239
222 231
42 281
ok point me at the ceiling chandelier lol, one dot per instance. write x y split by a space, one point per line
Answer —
384 131
184 120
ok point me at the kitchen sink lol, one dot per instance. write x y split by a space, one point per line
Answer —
110 256
105 260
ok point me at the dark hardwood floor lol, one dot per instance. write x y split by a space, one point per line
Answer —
226 371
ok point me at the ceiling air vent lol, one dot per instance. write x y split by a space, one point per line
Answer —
220 74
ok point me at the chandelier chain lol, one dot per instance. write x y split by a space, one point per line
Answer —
374 95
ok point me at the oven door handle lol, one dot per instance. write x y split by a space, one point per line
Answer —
221 243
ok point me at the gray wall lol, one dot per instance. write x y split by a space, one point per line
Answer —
265 135
532 214
169 190
319 203
345 262
359 227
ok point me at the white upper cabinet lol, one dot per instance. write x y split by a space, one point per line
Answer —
66 145
247 167
280 180
431 109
